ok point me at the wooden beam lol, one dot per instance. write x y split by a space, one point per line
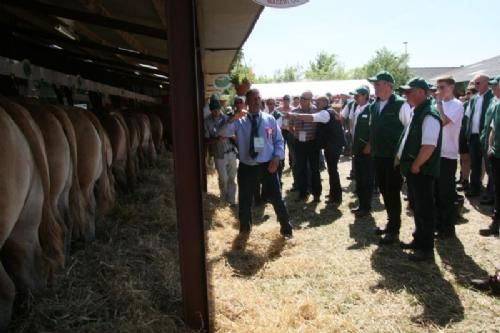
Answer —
55 38
159 6
184 89
76 15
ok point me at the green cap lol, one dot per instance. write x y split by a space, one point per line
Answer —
494 81
382 76
416 82
361 90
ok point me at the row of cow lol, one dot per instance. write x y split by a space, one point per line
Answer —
58 166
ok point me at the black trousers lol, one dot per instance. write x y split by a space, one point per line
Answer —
446 195
307 152
363 164
390 182
421 188
248 176
476 162
495 166
332 156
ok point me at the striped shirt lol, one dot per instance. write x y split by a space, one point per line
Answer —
299 126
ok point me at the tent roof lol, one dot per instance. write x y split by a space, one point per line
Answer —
336 87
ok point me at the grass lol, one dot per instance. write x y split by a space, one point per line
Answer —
126 281
332 277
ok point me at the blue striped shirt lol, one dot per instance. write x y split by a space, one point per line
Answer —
274 145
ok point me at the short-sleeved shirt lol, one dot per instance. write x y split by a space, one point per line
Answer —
454 110
212 130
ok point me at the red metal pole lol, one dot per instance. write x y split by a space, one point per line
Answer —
184 106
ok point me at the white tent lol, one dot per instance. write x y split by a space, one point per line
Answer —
336 87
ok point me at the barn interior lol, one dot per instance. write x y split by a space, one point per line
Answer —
154 54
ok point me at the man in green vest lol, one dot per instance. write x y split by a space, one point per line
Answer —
389 116
494 156
362 158
479 104
419 157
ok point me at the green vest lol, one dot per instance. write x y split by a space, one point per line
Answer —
361 131
496 122
414 142
386 128
487 99
488 117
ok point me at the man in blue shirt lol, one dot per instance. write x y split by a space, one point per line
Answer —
261 148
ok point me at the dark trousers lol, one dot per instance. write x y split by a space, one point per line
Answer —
307 152
490 187
363 164
390 182
476 162
290 142
332 160
446 195
421 188
495 166
248 176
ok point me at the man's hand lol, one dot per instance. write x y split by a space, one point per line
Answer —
238 115
415 169
368 149
273 165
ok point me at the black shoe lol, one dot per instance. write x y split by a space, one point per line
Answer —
443 235
349 177
486 201
294 189
420 256
334 201
380 232
317 198
492 230
388 239
355 210
286 232
472 194
245 231
408 246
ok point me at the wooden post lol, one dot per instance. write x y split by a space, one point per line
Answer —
185 108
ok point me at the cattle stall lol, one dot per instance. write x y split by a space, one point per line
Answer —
102 160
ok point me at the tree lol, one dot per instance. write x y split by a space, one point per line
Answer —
384 59
325 67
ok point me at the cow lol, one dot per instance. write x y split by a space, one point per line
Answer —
60 163
133 129
147 152
156 131
30 238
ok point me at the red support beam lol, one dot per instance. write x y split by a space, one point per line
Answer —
185 109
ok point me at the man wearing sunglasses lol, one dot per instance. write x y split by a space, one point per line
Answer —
476 117
303 122
451 111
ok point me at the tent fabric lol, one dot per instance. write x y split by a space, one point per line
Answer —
336 87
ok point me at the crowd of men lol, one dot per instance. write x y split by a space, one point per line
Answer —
414 134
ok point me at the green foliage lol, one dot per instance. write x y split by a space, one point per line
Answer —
240 70
326 67
387 60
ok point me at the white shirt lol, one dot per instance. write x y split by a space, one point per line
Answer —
321 117
454 110
357 112
430 134
476 117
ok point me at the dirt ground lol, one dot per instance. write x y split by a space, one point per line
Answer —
332 277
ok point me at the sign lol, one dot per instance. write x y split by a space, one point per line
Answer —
281 3
222 82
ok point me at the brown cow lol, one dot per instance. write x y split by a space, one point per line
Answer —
133 129
147 152
30 238
90 163
156 131
60 164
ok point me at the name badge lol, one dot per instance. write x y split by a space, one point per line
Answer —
302 136
258 144
364 116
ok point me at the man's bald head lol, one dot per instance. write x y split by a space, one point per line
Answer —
481 82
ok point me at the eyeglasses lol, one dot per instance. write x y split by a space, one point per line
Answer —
304 98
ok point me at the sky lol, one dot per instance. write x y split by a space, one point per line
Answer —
440 33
